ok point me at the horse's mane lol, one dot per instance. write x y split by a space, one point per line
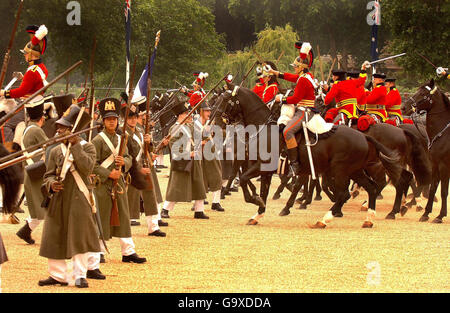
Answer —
445 99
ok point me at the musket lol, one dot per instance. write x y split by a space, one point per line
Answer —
331 70
279 58
388 58
161 144
148 159
5 118
248 73
114 221
39 149
11 41
169 105
112 80
320 62
91 99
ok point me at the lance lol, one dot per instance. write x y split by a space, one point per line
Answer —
426 60
388 58
112 80
279 58
148 158
91 99
5 118
11 41
161 144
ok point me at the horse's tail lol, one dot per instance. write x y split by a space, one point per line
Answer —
389 159
420 162
10 178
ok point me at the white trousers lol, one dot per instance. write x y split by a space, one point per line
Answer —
58 268
33 223
152 223
216 196
127 248
199 205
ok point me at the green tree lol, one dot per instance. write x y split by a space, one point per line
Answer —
418 27
188 38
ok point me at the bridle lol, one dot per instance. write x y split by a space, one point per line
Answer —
427 98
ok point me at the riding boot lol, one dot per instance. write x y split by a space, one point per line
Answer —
293 160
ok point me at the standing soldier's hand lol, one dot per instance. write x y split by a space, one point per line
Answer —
57 186
147 138
115 174
119 160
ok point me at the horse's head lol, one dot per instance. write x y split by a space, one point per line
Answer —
423 99
227 106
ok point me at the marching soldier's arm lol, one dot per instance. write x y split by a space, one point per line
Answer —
50 174
102 172
177 151
84 158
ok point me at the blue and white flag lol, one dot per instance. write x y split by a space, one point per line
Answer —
141 87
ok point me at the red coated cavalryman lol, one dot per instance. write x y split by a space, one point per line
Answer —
36 75
196 95
260 84
393 103
360 91
345 92
304 96
33 80
376 99
270 83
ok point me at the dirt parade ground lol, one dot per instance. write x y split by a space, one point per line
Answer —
281 254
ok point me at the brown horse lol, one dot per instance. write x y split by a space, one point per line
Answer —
342 156
431 99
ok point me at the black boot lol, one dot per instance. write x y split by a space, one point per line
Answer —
50 282
217 207
165 213
161 223
200 215
134 258
95 274
293 160
81 283
25 234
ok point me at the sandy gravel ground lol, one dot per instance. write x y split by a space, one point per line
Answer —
281 254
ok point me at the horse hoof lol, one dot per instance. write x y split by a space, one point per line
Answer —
338 214
403 210
380 197
252 222
419 208
355 194
390 216
364 207
284 212
302 206
437 220
318 225
317 198
276 196
367 224
424 218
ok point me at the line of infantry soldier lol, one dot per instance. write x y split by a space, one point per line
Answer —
71 186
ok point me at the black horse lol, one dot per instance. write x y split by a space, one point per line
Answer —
10 180
342 156
431 99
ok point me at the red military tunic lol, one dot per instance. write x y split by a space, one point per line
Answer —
346 94
259 88
376 102
304 94
394 103
270 92
195 97
32 81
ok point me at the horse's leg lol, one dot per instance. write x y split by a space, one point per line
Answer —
444 194
318 188
433 188
244 179
284 180
309 195
305 191
342 184
371 188
299 182
327 188
266 178
401 189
